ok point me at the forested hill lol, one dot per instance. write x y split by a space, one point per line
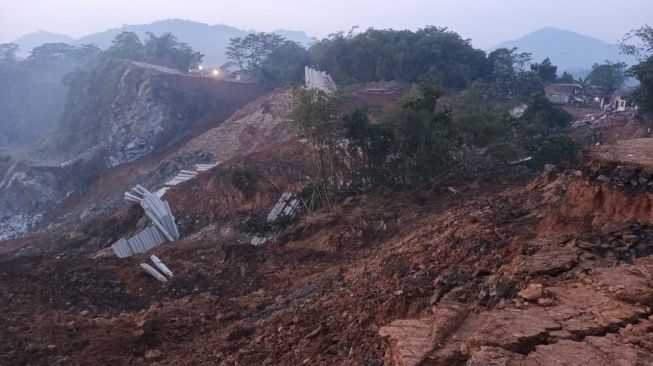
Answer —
211 40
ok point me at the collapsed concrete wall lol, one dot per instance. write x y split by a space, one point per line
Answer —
319 80
162 226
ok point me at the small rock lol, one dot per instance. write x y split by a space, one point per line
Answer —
603 179
84 312
152 354
545 301
532 292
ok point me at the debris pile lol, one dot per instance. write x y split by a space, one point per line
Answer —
184 176
160 276
633 241
162 226
604 119
286 206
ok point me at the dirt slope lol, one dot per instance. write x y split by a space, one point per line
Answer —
557 271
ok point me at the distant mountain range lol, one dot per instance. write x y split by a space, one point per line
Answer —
212 40
570 51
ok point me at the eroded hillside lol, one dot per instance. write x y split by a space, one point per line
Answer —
120 120
544 272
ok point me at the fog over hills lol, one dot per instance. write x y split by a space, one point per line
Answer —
212 40
31 40
561 46
568 50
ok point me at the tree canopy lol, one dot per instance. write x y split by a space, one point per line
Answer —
608 76
285 64
566 78
179 54
643 71
546 71
376 55
8 52
166 47
252 50
127 45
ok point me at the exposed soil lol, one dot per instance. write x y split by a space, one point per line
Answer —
553 271
540 274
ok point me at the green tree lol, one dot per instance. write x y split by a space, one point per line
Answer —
285 65
375 55
127 45
52 54
318 116
8 52
608 76
252 50
504 66
179 54
643 71
477 118
643 48
566 78
411 144
555 149
546 71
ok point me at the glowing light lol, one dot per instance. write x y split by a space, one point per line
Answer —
216 72
201 67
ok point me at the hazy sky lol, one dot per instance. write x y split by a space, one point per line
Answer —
486 22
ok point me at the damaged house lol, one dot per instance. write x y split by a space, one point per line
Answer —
622 100
565 94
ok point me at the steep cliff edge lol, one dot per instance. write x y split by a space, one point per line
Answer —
116 113
126 111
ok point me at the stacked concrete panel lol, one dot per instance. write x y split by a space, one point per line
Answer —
205 167
287 205
319 80
184 176
162 225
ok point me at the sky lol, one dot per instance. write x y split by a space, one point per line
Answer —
486 22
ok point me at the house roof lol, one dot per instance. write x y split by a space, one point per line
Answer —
561 88
230 65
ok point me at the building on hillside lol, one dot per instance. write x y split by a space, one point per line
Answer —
229 71
233 72
565 94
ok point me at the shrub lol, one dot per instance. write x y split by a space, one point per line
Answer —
245 180
555 149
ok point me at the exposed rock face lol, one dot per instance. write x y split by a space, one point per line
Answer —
409 341
116 113
128 111
25 195
589 322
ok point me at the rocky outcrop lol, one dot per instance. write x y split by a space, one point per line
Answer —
409 341
117 112
126 111
26 194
